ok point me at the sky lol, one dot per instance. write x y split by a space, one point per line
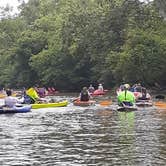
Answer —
13 3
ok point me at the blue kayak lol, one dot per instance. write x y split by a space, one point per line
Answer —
15 109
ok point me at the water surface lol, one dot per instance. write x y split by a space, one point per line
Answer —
82 136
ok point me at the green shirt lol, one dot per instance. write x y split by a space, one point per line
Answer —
126 96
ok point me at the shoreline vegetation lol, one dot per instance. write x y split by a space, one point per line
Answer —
69 44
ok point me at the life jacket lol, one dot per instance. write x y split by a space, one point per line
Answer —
91 89
28 99
144 96
84 96
31 92
126 96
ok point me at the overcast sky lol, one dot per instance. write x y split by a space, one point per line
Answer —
13 3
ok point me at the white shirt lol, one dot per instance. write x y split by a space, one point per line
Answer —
100 87
11 101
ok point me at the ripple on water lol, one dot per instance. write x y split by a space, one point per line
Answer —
83 136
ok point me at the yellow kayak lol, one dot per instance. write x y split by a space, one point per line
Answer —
2 96
47 105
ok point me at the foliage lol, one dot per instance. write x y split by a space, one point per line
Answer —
72 43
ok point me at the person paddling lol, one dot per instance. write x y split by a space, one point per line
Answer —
31 96
126 97
100 88
11 101
144 95
91 89
84 95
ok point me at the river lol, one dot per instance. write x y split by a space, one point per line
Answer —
83 136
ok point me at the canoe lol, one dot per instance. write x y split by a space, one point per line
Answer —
126 108
144 103
19 109
47 105
84 103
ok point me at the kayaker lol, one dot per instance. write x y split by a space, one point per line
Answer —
84 95
144 95
137 87
91 89
126 97
41 91
11 101
31 96
100 88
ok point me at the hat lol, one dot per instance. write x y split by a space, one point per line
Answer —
127 86
84 88
8 92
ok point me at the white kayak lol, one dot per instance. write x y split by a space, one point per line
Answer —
144 103
127 108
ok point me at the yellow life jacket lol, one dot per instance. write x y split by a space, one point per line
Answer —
32 93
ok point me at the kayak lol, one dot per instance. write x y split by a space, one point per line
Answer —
4 95
47 105
99 92
16 109
126 108
51 93
84 103
144 103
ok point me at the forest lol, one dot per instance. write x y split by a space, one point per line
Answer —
69 44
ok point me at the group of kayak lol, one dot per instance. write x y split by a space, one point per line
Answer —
86 95
33 98
29 99
126 96
129 96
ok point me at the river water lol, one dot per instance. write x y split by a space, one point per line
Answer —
83 136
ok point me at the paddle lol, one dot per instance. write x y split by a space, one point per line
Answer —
76 99
160 104
105 102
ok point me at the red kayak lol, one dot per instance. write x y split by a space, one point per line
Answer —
51 93
84 103
99 92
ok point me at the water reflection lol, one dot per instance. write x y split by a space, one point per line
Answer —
161 118
126 127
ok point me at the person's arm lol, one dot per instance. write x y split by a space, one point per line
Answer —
20 101
148 96
89 95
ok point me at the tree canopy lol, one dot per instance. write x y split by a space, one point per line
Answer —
72 43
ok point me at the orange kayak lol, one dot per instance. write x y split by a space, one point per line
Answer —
84 103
